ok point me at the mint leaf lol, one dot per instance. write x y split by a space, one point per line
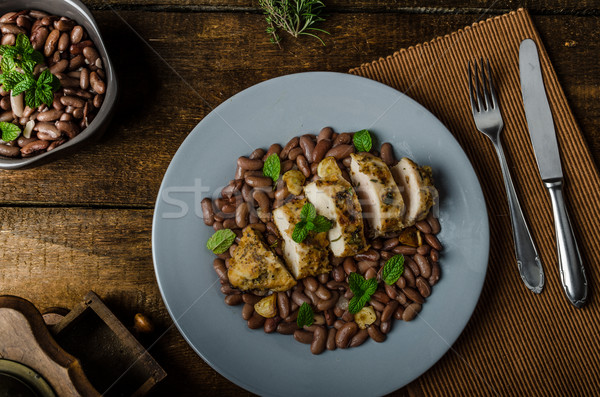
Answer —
322 224
308 212
28 66
36 57
10 132
220 241
11 79
362 141
26 83
30 98
23 44
272 167
362 290
7 64
393 269
300 232
305 315
46 77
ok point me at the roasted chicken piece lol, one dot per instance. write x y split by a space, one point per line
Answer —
335 199
417 188
308 258
255 266
380 199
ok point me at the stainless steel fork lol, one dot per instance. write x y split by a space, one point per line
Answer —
486 113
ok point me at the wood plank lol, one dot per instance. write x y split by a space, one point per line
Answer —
71 251
585 7
212 56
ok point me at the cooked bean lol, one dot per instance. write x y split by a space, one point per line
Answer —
303 165
359 338
331 339
68 100
8 28
63 42
370 273
345 334
423 226
370 255
386 327
404 250
390 290
49 115
435 274
64 24
270 325
413 295
381 296
434 255
342 139
76 62
323 293
363 266
91 55
303 336
250 164
70 129
340 151
228 209
282 193
289 146
51 43
8 39
329 303
376 334
423 249
389 310
229 223
349 265
424 265
241 215
408 262
299 298
97 84
411 311
258 181
387 154
22 141
233 300
339 274
262 199
256 321
434 223
325 133
9 151
311 283
307 145
329 317
433 241
320 149
257 154
294 153
76 34
423 287
48 129
409 276
59 66
34 146
287 328
283 304
319 341
84 79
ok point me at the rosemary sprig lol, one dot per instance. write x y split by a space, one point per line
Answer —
297 17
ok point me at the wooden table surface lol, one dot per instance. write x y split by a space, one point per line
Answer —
84 222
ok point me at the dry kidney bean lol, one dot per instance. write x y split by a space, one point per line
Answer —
340 151
359 338
376 334
319 341
411 311
345 334
303 336
433 241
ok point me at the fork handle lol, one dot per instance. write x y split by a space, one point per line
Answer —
528 260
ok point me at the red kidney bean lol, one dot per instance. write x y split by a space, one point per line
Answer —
345 334
283 304
363 266
389 310
434 255
411 311
399 312
217 226
287 328
359 338
390 290
404 250
303 165
63 42
270 325
339 274
433 241
370 273
293 143
409 276
342 139
310 283
423 287
208 214
434 223
386 327
307 145
330 344
59 66
64 24
370 255
249 164
323 293
294 153
376 334
49 115
423 249
325 133
320 149
423 226
329 303
72 101
258 181
319 341
408 262
229 223
413 295
435 274
76 62
233 300
257 154
299 298
303 336
77 49
329 317
273 149
84 79
241 215
48 130
387 154
256 321
424 265
228 209
340 151
381 296
349 265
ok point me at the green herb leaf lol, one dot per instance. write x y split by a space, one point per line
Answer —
10 132
7 64
322 224
36 57
26 83
305 315
11 79
362 141
308 212
362 290
393 269
221 241
300 232
22 43
272 167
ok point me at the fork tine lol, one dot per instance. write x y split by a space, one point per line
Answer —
480 101
474 106
486 80
492 91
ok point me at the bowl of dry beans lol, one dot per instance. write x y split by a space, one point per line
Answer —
58 88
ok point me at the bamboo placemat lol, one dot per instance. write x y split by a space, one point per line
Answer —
516 343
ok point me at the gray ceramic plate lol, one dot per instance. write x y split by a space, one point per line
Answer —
275 111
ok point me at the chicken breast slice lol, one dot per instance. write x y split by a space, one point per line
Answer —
380 198
416 186
335 199
308 258
255 266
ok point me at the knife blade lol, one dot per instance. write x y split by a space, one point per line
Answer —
545 146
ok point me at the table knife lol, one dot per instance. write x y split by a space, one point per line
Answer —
545 147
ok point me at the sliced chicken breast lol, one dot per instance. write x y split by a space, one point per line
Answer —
308 258
255 266
335 199
380 199
416 186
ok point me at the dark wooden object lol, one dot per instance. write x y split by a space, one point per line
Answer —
84 222
114 361
25 339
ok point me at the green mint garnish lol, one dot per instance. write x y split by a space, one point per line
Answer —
305 315
272 167
393 269
17 66
362 290
362 141
221 241
10 132
309 221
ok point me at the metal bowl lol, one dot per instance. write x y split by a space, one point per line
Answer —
75 10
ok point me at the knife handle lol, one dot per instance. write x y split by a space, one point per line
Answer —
572 272
528 259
